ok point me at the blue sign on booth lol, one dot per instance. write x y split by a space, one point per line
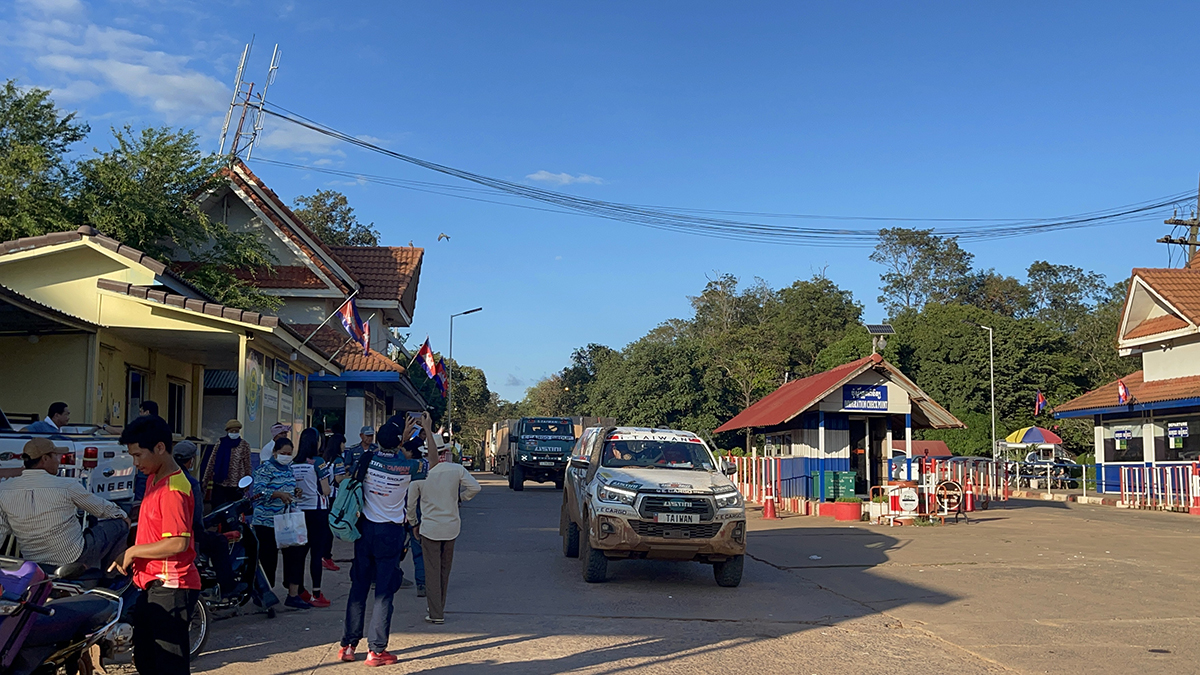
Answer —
864 397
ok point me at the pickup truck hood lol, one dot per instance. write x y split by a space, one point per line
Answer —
681 481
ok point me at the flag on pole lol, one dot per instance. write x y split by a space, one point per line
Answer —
1122 392
354 325
440 378
425 356
1039 403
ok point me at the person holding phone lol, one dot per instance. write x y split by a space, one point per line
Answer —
273 492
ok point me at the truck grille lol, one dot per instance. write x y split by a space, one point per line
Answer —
652 504
701 531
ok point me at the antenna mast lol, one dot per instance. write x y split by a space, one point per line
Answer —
237 85
262 99
244 98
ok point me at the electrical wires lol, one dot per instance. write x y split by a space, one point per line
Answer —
707 222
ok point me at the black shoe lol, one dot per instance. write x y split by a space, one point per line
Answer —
295 602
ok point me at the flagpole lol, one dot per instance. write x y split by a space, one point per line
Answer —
352 339
322 325
414 358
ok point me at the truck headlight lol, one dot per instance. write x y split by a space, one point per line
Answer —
615 496
729 500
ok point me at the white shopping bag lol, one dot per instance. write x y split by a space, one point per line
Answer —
290 529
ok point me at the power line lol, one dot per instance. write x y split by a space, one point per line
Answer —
693 221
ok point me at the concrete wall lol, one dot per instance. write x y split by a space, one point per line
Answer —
36 375
1179 359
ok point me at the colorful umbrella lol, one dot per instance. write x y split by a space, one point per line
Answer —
1033 435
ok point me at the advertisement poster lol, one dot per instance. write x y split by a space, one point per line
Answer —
299 389
254 384
282 373
285 406
271 397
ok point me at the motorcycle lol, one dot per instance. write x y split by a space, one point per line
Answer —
232 521
42 634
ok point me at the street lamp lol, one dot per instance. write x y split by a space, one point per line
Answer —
992 365
450 378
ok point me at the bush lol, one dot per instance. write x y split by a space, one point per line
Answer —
879 499
849 500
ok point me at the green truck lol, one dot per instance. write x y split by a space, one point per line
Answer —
535 448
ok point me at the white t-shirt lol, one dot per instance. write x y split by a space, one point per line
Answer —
308 478
385 489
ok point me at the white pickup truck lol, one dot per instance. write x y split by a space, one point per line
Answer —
95 458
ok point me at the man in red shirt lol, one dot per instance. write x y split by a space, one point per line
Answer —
162 559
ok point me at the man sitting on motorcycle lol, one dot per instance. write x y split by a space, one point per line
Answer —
39 508
212 545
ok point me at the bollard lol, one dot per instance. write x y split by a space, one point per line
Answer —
969 496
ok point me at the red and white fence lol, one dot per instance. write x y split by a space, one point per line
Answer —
780 477
1170 487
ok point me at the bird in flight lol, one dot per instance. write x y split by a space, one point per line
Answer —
443 236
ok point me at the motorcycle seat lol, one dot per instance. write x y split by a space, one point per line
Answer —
74 616
91 578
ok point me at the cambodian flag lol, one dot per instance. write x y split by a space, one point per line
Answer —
1039 404
354 325
425 356
441 379
1122 392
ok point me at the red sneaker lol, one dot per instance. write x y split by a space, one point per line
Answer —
306 596
346 653
319 601
382 658
328 564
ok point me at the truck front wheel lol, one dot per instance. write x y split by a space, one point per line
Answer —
571 540
729 573
595 565
558 482
518 477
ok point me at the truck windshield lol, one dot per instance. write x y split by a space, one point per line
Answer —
548 428
659 454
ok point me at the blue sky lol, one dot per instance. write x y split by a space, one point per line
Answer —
988 110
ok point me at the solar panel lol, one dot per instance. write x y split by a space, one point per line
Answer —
880 329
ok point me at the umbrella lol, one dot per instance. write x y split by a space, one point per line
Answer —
1033 435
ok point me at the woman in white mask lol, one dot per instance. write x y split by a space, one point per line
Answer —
273 491
228 464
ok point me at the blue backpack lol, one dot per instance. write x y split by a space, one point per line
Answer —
348 504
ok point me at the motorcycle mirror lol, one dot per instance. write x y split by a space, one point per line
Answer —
70 570
245 482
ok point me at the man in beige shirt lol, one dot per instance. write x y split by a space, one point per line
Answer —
439 494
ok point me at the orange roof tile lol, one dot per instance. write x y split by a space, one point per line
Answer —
332 340
1159 324
385 272
1180 287
1154 391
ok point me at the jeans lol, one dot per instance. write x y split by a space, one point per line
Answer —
104 542
161 618
376 559
414 542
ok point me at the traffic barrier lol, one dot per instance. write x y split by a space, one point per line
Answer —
1167 487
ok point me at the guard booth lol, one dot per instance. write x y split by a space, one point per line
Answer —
846 419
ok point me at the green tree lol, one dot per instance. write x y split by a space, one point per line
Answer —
329 215
143 191
35 173
921 267
1063 295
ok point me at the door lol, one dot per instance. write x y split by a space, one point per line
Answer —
136 385
877 452
858 455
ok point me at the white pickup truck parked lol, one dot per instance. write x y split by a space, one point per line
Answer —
96 459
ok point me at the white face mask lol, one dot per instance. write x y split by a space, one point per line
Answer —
284 459
234 435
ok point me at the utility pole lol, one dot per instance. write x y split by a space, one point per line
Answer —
1193 225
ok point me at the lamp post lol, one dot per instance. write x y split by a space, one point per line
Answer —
992 367
450 378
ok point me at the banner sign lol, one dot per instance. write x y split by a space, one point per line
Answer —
1177 429
1123 434
864 397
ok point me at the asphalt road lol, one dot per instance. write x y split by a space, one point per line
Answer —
1032 588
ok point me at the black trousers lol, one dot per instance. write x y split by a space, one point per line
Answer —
268 557
320 539
161 617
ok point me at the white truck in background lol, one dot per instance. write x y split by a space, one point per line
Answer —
95 458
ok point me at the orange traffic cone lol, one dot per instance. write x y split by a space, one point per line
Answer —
769 507
969 497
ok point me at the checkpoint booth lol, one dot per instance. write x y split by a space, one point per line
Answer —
834 432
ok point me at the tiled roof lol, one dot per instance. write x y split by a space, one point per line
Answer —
385 272
920 448
280 276
1180 287
349 356
190 304
1159 324
1155 391
286 228
29 243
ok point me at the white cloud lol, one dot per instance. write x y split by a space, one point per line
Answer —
88 60
279 135
564 178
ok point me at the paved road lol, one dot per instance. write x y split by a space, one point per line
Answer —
1034 588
